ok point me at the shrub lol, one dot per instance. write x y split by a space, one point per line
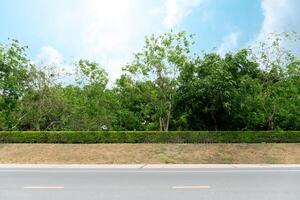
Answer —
93 137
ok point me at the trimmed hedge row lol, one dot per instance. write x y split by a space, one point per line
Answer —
92 137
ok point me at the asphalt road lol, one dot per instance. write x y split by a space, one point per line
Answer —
144 184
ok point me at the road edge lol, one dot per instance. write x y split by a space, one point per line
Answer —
147 166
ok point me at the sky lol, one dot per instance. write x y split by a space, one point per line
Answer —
59 32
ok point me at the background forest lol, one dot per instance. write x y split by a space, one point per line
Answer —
165 87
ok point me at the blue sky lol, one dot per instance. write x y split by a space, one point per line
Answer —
109 31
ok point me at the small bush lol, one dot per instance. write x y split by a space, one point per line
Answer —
93 137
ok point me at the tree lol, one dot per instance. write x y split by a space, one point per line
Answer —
91 104
91 73
205 92
16 75
277 63
160 62
132 110
213 91
163 88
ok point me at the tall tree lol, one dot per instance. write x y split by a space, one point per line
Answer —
16 74
276 61
94 105
160 62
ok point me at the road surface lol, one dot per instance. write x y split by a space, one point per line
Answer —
144 184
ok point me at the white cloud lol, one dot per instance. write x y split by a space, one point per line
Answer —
108 24
280 16
52 62
48 56
113 30
173 11
230 43
110 31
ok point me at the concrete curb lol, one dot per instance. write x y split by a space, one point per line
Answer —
73 166
148 166
229 166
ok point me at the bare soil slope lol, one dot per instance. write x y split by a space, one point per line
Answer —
150 153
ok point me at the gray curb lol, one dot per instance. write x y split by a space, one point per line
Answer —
148 166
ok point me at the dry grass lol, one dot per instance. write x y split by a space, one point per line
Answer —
150 153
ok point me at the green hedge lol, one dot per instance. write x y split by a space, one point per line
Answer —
92 137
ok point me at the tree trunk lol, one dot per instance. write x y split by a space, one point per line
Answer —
215 121
165 124
168 118
270 124
37 125
160 124
271 119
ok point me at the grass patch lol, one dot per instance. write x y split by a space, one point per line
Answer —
150 153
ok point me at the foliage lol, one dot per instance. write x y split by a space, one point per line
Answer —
159 64
164 88
16 78
92 137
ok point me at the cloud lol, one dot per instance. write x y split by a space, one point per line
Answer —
108 24
113 30
48 56
52 62
110 31
280 16
230 42
173 11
